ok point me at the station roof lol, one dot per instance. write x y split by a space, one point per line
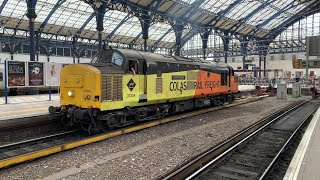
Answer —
257 18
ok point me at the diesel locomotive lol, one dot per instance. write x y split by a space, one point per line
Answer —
121 87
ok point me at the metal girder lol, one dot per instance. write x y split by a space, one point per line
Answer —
245 19
254 31
163 35
194 7
222 13
138 36
311 9
2 5
188 36
56 6
156 7
84 25
125 19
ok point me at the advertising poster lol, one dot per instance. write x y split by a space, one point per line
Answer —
35 74
53 74
16 73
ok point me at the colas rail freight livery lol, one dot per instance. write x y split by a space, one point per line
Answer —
120 87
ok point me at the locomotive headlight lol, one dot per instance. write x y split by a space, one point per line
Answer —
70 94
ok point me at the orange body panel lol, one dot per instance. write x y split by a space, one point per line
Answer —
210 84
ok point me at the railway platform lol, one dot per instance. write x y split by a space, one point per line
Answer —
33 105
26 106
305 163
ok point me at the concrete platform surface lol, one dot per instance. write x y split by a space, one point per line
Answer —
305 165
26 106
29 98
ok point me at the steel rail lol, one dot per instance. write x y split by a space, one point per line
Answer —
36 139
200 163
283 147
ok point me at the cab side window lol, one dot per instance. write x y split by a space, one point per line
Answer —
133 67
224 79
1 76
116 59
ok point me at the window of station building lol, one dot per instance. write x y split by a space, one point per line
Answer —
5 47
294 56
1 76
19 49
117 59
26 48
59 51
224 79
283 57
233 60
66 52
252 59
271 58
43 50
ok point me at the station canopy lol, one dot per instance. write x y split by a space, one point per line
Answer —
121 25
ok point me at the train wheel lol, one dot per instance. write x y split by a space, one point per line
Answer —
67 123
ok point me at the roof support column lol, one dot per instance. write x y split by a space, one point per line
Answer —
100 12
260 62
244 49
37 46
145 24
48 49
178 29
74 49
12 47
263 51
205 37
31 14
226 41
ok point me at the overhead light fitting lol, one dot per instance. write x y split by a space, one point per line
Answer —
97 3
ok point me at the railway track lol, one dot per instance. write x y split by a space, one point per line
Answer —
19 152
251 153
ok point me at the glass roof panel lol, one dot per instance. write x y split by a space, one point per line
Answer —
188 1
243 9
283 17
171 37
15 9
131 27
259 18
43 9
216 6
72 13
157 30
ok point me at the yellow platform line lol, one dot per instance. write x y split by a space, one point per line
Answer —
23 111
100 137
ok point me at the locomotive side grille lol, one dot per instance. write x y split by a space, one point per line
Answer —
117 88
159 85
103 88
109 88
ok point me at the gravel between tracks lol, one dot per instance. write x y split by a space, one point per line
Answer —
149 153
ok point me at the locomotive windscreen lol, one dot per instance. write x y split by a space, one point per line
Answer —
108 56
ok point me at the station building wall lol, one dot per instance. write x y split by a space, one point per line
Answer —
276 61
42 58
